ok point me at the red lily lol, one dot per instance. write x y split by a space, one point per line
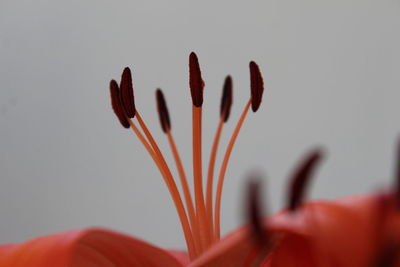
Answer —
357 231
199 217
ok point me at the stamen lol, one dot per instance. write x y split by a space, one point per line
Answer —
196 88
389 255
163 162
163 111
126 83
195 81
254 211
199 233
262 240
257 86
210 175
116 104
397 174
226 100
173 190
166 127
127 98
257 89
301 178
186 190
222 171
205 233
386 246
226 104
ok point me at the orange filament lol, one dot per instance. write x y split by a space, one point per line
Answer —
200 214
185 187
223 171
204 232
173 191
210 175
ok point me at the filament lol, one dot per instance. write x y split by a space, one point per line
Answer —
173 191
185 187
223 171
210 175
204 232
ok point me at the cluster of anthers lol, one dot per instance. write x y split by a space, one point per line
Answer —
199 216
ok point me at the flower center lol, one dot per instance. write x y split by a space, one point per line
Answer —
199 213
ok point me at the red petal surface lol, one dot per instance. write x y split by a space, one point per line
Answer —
341 233
85 248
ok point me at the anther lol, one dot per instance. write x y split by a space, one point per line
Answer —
254 211
116 104
226 99
163 111
256 85
397 175
195 81
127 97
388 255
301 178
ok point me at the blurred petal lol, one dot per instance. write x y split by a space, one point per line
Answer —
318 235
85 248
324 234
290 245
346 232
232 250
181 256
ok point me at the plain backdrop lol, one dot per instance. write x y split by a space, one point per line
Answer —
332 77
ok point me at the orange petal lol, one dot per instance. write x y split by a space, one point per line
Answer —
346 232
293 250
335 233
328 234
240 249
85 248
181 256
230 251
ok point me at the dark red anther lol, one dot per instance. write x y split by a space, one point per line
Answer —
388 255
117 105
256 85
195 81
226 99
397 174
301 178
127 97
163 111
254 211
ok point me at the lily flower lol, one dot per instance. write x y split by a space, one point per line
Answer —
357 231
199 213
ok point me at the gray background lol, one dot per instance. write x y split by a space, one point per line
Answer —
331 72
